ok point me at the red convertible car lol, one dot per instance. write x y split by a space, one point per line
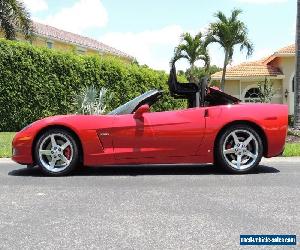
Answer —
215 128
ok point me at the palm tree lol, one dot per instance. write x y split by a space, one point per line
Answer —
14 18
192 49
297 76
228 32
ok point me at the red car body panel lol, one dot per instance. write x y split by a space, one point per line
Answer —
181 136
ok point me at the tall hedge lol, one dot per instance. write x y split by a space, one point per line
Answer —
37 82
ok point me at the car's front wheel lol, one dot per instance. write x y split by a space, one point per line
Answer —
239 149
56 152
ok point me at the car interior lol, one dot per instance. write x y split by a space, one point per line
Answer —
194 92
198 94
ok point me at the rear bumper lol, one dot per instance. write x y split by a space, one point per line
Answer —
281 153
275 155
276 141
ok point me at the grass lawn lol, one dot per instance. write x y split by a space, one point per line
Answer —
291 149
5 143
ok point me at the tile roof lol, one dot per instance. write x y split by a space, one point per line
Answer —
285 51
54 33
249 69
257 68
291 49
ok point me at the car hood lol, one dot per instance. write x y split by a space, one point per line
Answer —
74 122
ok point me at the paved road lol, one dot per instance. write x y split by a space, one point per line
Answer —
186 207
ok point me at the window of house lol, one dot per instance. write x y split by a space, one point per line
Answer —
81 50
252 95
49 44
293 84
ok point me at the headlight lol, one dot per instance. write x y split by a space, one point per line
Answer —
14 151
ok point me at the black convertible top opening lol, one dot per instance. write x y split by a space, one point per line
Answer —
198 95
194 92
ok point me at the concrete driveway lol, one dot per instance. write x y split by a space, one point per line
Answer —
182 207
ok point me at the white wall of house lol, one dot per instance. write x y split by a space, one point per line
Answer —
287 66
283 85
239 88
253 83
232 87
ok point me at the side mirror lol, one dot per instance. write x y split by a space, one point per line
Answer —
141 110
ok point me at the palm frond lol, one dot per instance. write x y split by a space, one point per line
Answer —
221 16
248 46
14 18
234 14
230 54
229 32
191 48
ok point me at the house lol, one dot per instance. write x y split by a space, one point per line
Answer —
241 80
53 38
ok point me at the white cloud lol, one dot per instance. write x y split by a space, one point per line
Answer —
217 55
240 57
151 47
155 48
262 1
82 15
36 5
262 53
293 31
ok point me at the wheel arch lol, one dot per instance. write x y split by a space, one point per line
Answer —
253 125
71 131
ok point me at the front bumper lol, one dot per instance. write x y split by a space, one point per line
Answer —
22 149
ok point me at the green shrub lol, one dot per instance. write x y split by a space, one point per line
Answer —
92 101
291 120
39 82
266 91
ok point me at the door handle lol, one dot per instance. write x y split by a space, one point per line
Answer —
206 113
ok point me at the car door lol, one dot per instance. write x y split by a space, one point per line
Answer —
177 133
158 134
132 138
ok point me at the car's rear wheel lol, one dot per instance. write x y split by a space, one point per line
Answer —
239 149
56 152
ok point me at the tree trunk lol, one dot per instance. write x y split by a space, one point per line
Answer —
192 76
224 70
297 76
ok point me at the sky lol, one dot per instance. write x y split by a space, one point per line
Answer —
150 30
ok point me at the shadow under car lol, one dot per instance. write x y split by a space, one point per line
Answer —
134 170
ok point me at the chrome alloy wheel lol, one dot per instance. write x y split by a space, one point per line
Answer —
56 152
240 149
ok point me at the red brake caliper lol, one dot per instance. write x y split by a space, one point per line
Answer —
228 146
67 152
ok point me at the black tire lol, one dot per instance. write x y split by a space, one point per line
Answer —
41 161
226 142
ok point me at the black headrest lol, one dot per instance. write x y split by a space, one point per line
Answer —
173 75
172 79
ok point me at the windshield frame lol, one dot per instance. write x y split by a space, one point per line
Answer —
149 97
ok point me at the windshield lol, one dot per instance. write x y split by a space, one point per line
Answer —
129 107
